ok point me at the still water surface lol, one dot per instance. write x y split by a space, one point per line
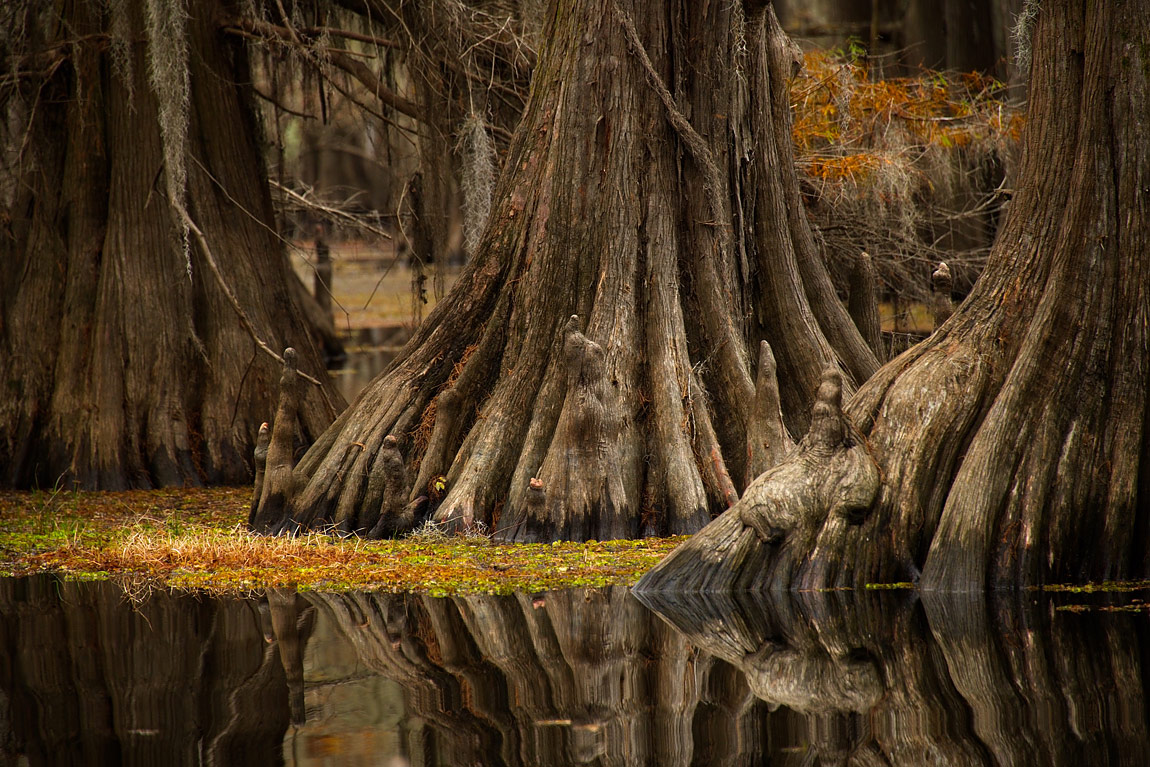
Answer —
91 676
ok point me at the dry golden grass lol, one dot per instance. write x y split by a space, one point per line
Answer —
196 539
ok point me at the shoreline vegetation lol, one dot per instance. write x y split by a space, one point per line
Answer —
196 538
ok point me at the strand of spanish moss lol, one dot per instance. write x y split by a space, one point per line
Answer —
477 178
166 24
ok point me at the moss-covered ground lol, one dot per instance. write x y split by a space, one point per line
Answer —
195 538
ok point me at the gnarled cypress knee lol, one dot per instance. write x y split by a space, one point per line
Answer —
767 438
260 456
941 304
585 497
279 480
534 522
393 517
798 512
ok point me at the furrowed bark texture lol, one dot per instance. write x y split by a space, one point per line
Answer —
649 190
119 369
1014 443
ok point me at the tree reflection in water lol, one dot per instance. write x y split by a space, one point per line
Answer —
573 677
87 676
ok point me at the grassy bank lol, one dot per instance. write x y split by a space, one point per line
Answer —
195 538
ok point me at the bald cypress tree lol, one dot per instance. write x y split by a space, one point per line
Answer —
592 373
1014 444
142 273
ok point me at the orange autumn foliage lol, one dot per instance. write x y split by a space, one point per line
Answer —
847 126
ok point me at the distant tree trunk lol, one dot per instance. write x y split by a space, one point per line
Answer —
959 35
120 369
827 23
1014 443
1005 20
649 191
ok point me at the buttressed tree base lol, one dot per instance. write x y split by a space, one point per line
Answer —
591 374
650 193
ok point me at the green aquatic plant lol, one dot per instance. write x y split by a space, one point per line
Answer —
195 539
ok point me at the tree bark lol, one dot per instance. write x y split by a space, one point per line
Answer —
649 190
122 369
1014 443
1027 413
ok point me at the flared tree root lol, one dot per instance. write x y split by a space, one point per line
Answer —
578 493
788 528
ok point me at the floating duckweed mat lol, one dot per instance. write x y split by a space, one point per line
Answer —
196 539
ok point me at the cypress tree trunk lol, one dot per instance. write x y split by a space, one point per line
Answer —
649 216
1014 443
1032 444
120 368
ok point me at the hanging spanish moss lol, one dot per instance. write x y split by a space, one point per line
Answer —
168 76
476 178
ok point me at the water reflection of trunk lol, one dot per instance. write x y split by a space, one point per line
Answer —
171 680
583 676
1054 688
577 677
882 681
286 613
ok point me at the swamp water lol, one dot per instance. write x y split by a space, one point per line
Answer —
92 675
